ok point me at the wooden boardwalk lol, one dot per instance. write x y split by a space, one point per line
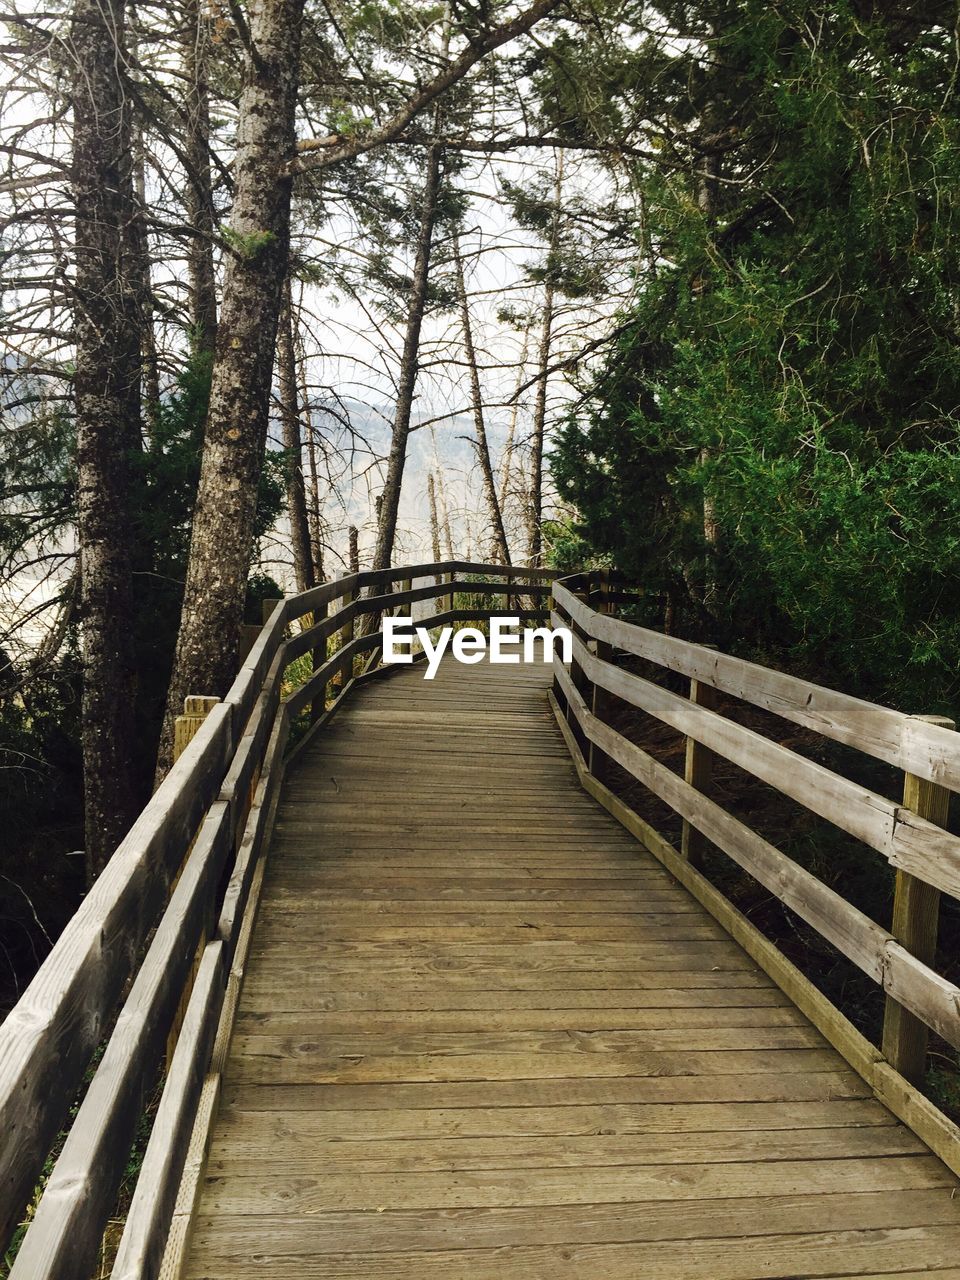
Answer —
484 1034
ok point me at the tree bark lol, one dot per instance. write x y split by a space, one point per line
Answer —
535 495
313 504
235 437
140 268
476 396
409 365
707 200
353 536
535 499
441 494
141 265
107 395
199 190
434 521
293 444
506 462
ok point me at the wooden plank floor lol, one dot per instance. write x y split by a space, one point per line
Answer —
483 1034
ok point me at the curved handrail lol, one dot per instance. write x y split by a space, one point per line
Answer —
179 881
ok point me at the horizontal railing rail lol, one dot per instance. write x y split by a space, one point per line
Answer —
910 835
163 926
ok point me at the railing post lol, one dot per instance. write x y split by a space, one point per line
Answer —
438 598
554 608
344 673
196 708
250 631
600 699
318 656
916 914
578 677
405 584
195 711
697 771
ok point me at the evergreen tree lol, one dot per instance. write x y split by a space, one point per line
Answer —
790 355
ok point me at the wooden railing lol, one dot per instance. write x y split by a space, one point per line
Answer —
167 915
909 834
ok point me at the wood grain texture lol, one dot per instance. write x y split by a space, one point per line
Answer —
932 998
916 915
904 836
928 750
940 1133
67 1226
50 1036
497 1039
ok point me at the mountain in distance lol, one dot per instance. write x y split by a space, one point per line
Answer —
356 443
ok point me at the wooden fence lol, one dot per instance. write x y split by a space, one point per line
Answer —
910 834
166 918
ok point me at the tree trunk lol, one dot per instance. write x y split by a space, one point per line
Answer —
707 198
199 192
711 536
535 493
441 492
506 461
353 537
235 437
409 366
313 503
107 393
293 444
535 499
476 396
434 522
140 267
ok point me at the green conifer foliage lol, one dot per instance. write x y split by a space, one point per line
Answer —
791 354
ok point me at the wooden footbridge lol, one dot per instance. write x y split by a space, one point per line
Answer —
427 999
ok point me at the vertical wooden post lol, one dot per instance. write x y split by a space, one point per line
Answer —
266 611
195 711
557 691
405 584
318 656
345 672
249 634
579 680
916 917
600 699
698 771
250 631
